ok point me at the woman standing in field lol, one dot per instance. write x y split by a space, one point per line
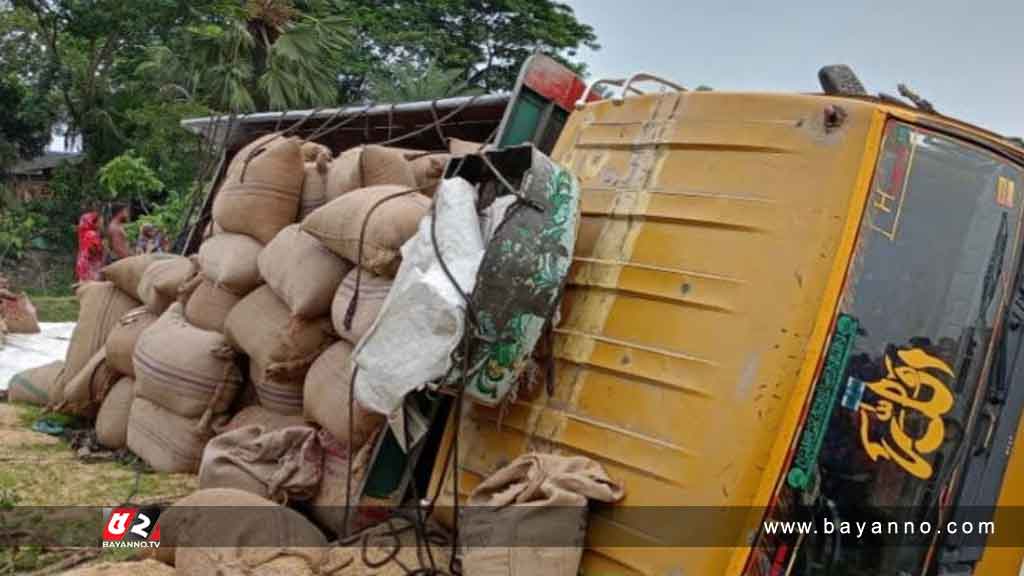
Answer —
90 248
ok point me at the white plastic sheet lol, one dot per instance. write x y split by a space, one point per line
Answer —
421 321
24 351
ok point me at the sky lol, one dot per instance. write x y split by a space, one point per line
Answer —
965 56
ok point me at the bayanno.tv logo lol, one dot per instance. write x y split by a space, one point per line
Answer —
130 528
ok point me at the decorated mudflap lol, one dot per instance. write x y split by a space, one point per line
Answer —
523 272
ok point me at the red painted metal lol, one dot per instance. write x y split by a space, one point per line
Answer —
551 79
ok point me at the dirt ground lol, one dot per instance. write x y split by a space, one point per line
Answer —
41 470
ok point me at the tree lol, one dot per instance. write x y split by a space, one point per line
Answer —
410 83
24 124
265 55
28 115
484 41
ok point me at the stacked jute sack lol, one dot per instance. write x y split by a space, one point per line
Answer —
235 363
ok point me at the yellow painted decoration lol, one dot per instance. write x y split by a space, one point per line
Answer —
910 387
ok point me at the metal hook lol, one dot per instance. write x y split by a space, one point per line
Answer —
590 88
645 77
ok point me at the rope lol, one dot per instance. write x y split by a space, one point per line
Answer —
350 312
432 125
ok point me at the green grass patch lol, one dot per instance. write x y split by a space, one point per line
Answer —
56 309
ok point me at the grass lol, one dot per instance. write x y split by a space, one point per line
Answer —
56 308
41 470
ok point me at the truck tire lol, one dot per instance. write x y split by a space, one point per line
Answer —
839 80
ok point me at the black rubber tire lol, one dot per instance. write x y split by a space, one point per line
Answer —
839 80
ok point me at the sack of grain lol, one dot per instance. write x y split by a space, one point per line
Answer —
280 465
164 440
260 194
32 386
328 506
312 150
187 370
302 272
112 419
279 390
84 393
122 339
368 166
314 185
259 416
395 216
161 281
326 397
18 313
428 167
100 306
126 273
262 326
229 261
373 290
462 147
530 517
208 306
280 347
226 531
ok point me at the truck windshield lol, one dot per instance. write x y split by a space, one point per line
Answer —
926 287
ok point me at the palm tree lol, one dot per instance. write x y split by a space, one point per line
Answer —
263 55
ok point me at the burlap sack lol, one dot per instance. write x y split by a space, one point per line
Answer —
260 416
189 371
326 397
112 419
147 567
121 342
18 313
262 326
280 465
279 389
312 150
32 386
164 440
339 223
162 279
260 193
126 273
462 147
314 185
302 272
373 290
229 261
368 166
328 506
209 305
84 393
100 306
428 169
530 516
280 347
237 526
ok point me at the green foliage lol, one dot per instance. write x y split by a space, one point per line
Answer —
168 217
266 55
127 177
407 82
485 40
17 229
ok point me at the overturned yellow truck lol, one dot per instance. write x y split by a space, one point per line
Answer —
783 307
